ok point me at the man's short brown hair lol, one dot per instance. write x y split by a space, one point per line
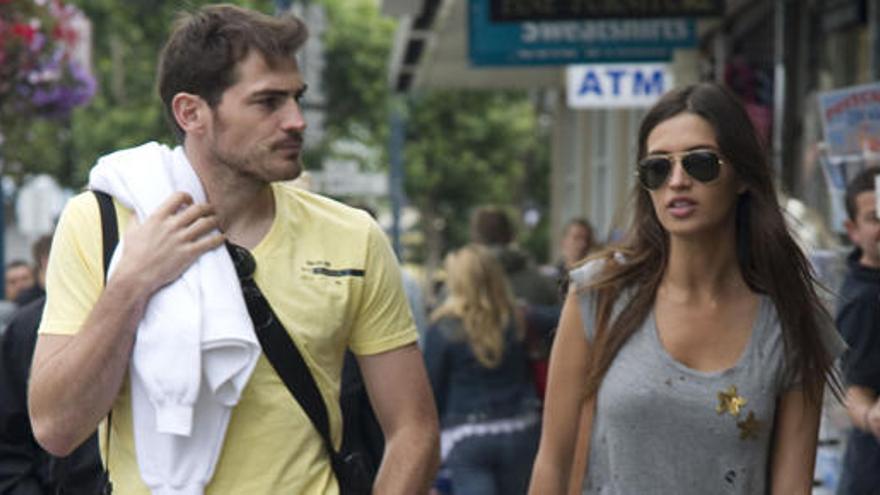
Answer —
491 225
205 47
863 182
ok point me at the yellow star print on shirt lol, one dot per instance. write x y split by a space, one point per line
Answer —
748 428
729 401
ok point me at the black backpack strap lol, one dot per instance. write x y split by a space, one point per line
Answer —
109 228
286 359
109 240
288 363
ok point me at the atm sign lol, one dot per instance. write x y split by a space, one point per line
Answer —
616 85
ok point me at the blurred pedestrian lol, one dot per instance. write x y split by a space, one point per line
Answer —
200 401
697 351
19 276
40 253
477 363
858 319
536 293
576 243
25 468
492 227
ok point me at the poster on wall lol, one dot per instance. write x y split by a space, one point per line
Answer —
851 119
851 126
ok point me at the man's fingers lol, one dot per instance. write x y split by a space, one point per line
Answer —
189 214
174 203
200 227
207 243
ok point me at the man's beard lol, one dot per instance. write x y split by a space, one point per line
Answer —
248 162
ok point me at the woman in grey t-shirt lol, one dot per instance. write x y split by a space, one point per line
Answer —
696 353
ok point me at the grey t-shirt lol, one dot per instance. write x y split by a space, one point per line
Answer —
663 428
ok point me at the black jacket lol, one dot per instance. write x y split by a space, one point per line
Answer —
858 319
25 468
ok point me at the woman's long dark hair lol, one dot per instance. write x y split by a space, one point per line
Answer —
769 259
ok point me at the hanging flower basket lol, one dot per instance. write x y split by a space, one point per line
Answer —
44 67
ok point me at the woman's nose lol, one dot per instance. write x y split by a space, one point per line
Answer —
677 175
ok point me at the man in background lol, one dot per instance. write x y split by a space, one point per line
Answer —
25 468
858 319
40 253
576 243
492 227
19 276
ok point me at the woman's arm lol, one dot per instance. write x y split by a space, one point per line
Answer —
563 404
581 459
794 444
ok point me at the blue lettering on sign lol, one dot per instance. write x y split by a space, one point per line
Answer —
616 82
615 76
590 84
647 85
855 116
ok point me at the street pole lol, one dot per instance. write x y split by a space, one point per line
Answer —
778 86
395 155
874 36
2 221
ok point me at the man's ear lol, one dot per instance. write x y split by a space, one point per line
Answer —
191 112
851 230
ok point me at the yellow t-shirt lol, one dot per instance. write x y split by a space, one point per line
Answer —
332 279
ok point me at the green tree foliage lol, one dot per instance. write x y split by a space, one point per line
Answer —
463 148
467 148
126 39
357 45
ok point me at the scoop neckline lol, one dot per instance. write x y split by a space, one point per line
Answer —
746 353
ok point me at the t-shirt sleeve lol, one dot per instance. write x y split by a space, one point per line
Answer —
383 320
74 275
581 278
858 324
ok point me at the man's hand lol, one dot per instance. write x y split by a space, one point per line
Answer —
75 379
157 251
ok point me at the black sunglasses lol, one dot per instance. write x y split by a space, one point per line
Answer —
702 165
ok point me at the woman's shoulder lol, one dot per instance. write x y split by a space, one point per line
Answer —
584 275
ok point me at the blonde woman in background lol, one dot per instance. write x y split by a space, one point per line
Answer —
477 365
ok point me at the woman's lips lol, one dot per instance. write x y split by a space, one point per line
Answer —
681 207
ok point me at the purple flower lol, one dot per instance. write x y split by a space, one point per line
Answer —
39 74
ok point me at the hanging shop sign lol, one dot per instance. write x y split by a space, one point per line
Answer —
616 85
546 10
574 41
851 119
851 127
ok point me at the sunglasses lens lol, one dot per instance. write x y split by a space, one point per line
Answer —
702 165
653 171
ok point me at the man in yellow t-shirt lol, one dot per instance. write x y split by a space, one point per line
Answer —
231 88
